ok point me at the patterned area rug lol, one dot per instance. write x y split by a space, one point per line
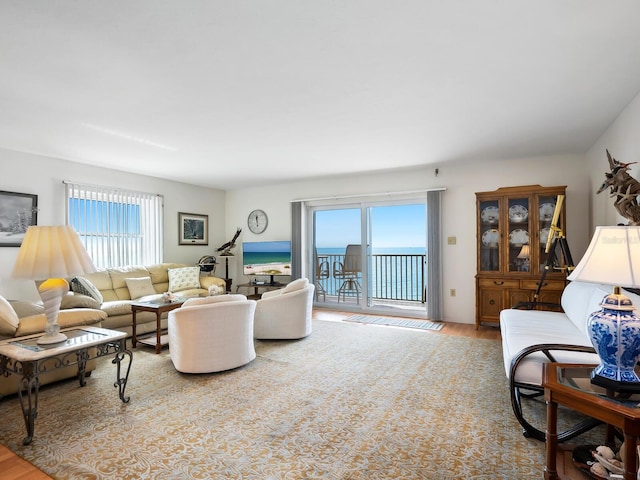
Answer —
395 322
346 403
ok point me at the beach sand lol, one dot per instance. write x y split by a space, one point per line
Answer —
268 269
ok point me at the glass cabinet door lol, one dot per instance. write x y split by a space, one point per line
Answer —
545 220
518 228
490 235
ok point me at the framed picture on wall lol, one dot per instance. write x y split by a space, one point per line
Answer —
193 229
18 211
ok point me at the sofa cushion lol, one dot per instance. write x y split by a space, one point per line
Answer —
116 307
66 319
8 318
26 309
83 286
77 300
184 278
140 287
119 277
580 299
523 328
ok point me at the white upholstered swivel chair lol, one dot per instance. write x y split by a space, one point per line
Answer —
212 334
285 314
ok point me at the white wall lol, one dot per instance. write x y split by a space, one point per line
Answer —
461 182
622 139
43 176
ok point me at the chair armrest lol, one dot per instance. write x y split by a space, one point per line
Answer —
546 349
207 281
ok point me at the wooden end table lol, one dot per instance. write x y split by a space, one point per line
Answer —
570 385
158 307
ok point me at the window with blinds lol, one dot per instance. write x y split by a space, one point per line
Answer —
118 227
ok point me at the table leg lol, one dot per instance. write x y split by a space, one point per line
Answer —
630 466
29 386
134 340
82 357
158 332
121 382
550 472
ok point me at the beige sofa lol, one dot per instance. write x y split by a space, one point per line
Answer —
114 293
32 320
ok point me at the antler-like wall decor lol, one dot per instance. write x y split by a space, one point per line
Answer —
624 188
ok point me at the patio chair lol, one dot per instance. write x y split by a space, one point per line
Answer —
349 271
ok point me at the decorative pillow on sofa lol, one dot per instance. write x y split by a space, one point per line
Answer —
184 278
8 318
84 287
140 287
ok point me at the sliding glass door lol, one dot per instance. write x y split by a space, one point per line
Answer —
370 256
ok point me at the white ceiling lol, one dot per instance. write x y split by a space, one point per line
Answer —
233 94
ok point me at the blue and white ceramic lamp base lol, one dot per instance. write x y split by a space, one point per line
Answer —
615 334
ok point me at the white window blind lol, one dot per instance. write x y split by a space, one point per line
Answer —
118 227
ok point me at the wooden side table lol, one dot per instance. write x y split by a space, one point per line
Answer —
158 308
570 385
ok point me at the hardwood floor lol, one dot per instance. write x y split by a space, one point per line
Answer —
460 329
15 468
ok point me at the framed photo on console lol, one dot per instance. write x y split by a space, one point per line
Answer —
193 229
18 211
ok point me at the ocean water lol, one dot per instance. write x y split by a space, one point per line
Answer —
393 277
376 251
259 258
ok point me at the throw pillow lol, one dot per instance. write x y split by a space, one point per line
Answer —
184 278
84 287
139 287
8 318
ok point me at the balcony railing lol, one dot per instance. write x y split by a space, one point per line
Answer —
398 277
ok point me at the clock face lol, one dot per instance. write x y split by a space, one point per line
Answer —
257 221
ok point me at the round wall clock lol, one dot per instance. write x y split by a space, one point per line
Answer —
257 221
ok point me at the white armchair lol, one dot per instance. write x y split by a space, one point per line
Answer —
285 313
212 334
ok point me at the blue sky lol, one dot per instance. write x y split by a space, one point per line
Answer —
393 226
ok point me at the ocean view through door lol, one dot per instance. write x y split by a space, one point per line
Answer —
385 272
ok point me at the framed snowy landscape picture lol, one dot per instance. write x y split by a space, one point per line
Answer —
18 211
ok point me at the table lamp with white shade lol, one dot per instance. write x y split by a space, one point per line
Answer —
613 258
51 253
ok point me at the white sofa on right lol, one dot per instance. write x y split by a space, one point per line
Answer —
531 338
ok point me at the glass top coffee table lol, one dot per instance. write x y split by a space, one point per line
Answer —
24 357
570 385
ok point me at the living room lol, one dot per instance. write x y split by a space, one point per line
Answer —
42 173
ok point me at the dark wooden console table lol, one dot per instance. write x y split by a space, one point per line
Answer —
258 286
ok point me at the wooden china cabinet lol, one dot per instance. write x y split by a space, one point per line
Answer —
513 225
